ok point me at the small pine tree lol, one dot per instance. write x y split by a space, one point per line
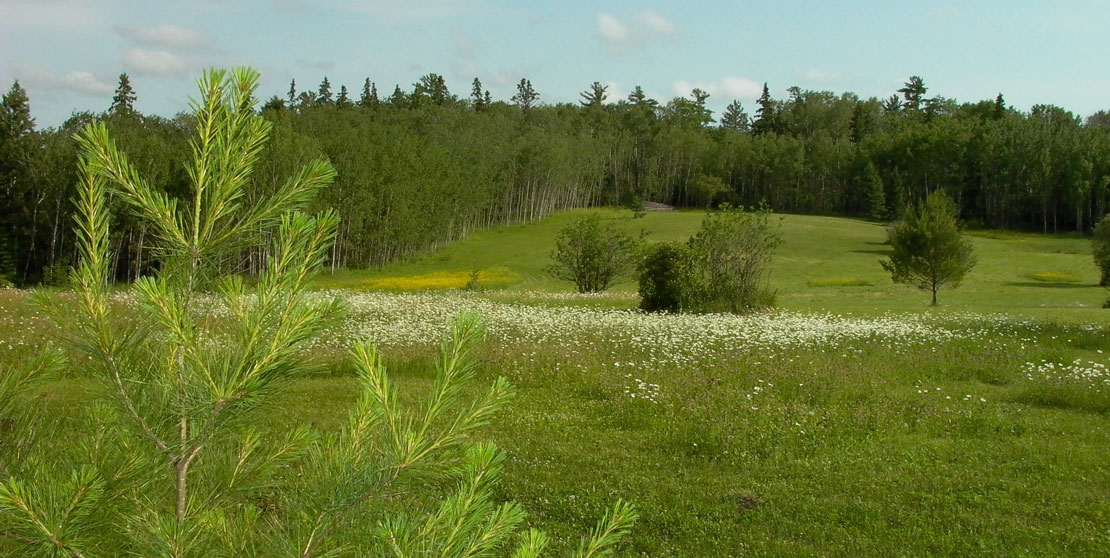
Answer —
928 250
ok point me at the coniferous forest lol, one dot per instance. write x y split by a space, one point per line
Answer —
425 165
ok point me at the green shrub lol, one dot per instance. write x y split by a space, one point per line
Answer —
729 260
1100 241
593 255
661 277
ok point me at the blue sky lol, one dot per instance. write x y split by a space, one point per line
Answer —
68 54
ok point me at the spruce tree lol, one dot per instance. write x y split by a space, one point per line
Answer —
123 102
323 95
765 117
369 97
344 101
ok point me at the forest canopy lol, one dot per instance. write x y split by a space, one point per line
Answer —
425 165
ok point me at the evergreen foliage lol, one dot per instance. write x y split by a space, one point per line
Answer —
928 251
593 255
661 276
123 102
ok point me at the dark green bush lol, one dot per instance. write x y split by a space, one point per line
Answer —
661 276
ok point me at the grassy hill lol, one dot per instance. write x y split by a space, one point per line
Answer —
824 264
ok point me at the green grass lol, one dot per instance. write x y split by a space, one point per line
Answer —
955 438
816 252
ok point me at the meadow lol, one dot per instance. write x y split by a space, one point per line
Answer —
853 420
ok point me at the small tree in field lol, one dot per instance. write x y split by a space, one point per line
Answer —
728 262
183 462
593 255
928 250
1100 245
661 277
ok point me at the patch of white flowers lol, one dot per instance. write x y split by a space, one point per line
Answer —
415 319
1095 375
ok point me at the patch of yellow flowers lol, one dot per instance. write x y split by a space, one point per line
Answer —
439 280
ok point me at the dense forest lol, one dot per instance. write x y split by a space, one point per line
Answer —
426 166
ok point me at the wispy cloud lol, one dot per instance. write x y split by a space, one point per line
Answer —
165 35
658 24
79 81
612 30
408 11
633 31
155 62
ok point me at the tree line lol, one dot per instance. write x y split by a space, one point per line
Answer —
424 165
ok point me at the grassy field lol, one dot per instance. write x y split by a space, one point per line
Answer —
825 264
853 421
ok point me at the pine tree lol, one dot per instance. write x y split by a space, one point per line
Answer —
999 107
323 95
595 95
369 97
734 118
343 101
928 251
292 95
525 96
123 102
640 99
477 97
398 99
432 88
914 93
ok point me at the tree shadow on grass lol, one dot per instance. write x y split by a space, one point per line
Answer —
875 252
1048 284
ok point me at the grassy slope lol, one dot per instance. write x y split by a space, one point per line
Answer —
815 249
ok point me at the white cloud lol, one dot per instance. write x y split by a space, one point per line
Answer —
68 15
79 81
408 11
156 62
615 92
638 30
655 22
612 30
724 89
165 35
